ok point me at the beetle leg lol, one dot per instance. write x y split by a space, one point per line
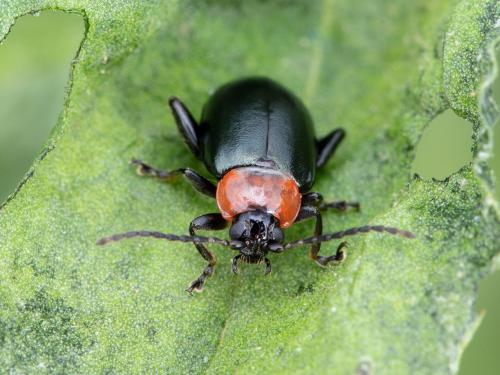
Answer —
199 182
186 124
316 200
205 222
339 256
327 145
339 205
307 212
312 199
234 263
268 267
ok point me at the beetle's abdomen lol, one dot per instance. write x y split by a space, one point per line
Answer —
253 188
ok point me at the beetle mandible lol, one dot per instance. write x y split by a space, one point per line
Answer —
258 140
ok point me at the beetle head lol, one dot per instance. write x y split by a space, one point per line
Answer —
252 233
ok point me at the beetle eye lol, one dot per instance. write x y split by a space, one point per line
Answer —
277 234
237 230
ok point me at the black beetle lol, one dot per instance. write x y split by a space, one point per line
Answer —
258 140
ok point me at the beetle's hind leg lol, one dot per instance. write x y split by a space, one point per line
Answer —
199 182
205 222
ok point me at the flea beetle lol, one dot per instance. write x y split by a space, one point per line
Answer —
257 139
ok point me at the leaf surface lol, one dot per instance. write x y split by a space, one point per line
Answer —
381 69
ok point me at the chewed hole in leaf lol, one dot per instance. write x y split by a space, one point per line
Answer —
444 148
481 355
397 305
34 69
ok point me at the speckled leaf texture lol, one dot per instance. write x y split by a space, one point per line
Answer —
383 69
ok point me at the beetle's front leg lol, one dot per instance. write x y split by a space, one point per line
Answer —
307 212
205 222
199 182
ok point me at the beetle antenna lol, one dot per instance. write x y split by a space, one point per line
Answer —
162 236
349 232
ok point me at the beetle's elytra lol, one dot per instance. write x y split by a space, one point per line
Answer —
258 140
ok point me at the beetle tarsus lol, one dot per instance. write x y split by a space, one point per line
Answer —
146 170
268 267
198 284
338 257
234 264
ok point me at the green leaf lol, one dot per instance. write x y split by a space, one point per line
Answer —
382 69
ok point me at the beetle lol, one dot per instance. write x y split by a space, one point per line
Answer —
257 139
